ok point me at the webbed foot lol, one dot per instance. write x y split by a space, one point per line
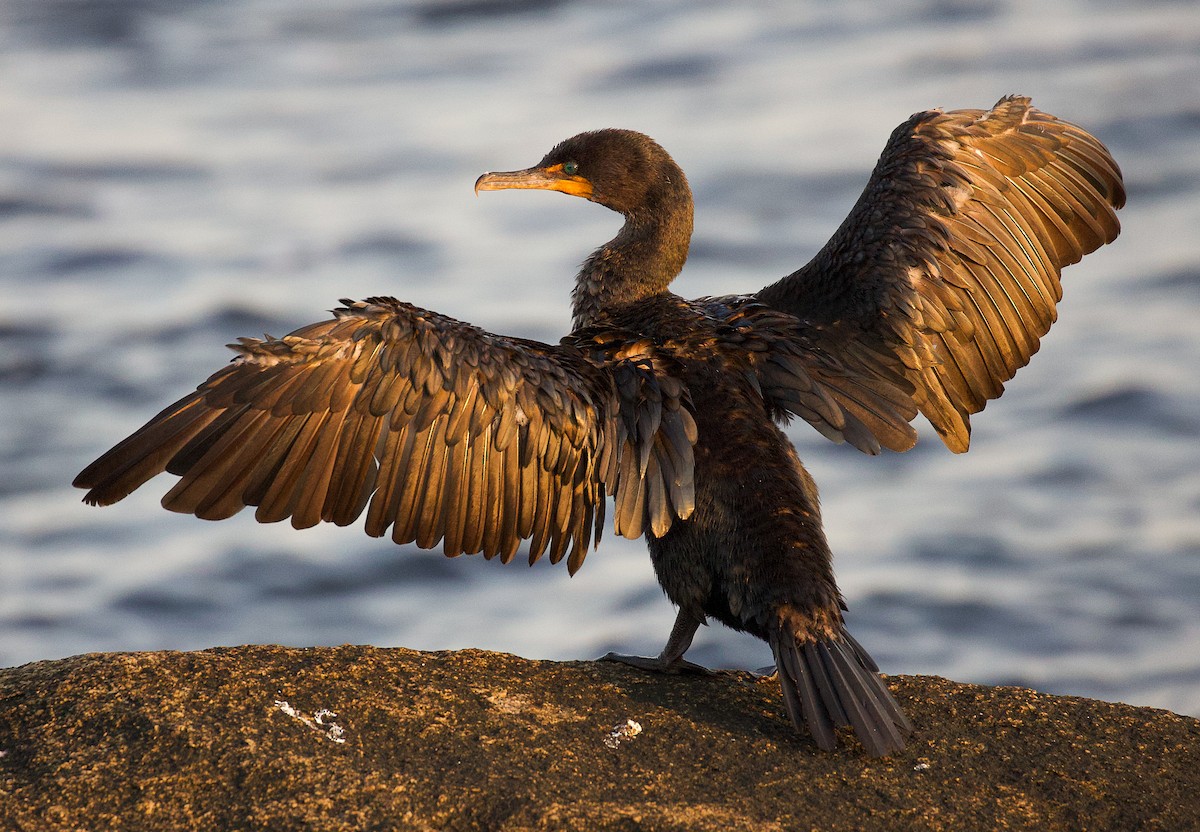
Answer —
671 659
658 664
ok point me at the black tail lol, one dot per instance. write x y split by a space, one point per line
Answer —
834 682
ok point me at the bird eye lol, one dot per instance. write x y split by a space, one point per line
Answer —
570 168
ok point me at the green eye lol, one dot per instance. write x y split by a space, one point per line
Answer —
570 168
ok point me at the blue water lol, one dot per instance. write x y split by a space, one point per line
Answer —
174 174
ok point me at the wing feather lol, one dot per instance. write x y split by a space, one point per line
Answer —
430 492
355 472
279 501
847 391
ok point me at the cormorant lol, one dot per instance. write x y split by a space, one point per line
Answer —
934 291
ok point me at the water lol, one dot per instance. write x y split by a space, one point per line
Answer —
176 174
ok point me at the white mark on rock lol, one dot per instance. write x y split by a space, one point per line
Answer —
320 721
626 730
921 767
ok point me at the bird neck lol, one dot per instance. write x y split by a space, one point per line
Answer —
640 262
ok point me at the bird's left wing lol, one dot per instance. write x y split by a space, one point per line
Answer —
439 430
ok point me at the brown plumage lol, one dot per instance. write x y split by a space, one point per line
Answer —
934 292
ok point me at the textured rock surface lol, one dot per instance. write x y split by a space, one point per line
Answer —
474 740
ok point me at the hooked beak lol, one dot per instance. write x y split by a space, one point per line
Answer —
546 179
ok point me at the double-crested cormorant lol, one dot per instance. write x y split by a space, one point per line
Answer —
932 293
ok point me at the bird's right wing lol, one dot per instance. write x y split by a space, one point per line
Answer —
946 271
439 430
840 385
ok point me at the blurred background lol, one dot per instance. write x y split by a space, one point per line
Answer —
177 173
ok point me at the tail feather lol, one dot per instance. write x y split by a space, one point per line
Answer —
882 693
829 682
834 683
801 700
860 652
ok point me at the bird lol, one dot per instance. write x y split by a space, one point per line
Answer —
931 294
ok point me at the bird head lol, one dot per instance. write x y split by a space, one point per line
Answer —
623 170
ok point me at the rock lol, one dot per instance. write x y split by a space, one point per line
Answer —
359 738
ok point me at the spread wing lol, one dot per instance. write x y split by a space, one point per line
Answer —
946 272
439 430
800 371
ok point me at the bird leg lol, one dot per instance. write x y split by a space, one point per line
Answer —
670 660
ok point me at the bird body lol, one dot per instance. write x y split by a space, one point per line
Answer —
752 554
744 468
934 291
